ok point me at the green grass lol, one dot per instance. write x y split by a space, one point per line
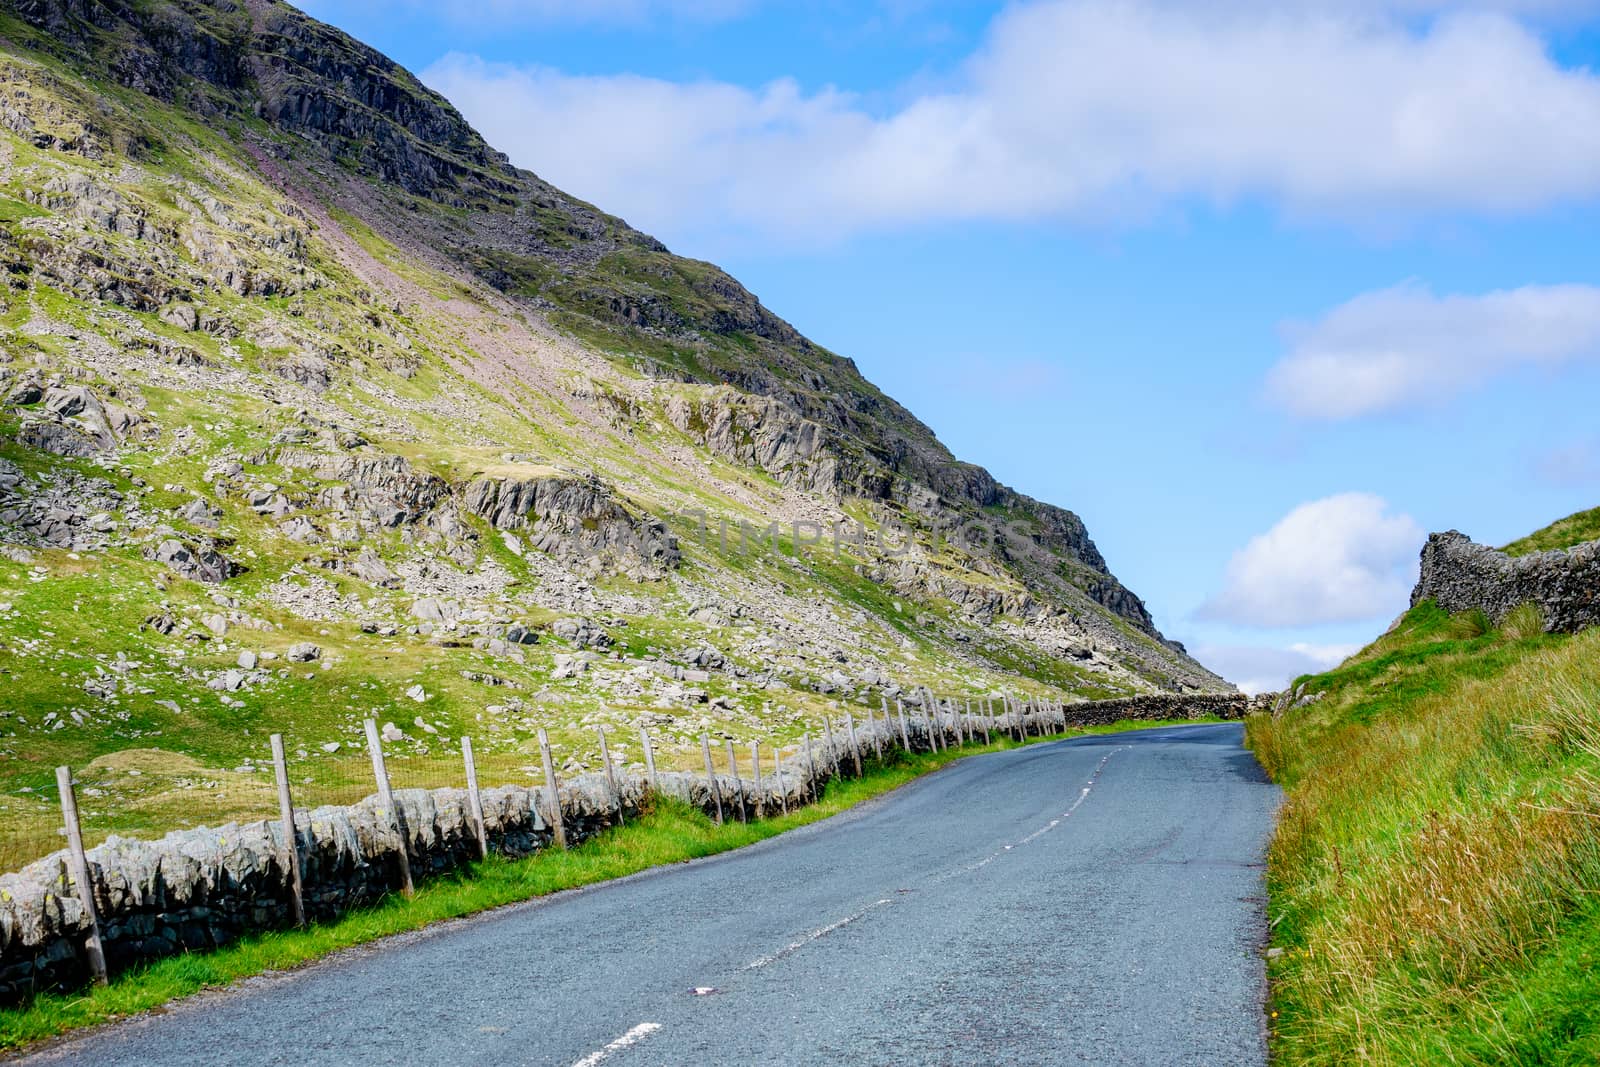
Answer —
13 210
669 833
1435 877
1572 530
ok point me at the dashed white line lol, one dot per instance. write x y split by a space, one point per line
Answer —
822 931
632 1037
1083 794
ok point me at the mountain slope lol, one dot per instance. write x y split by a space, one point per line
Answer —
292 357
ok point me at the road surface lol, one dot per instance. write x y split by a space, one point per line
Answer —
1091 901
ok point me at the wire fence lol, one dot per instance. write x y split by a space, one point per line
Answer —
147 793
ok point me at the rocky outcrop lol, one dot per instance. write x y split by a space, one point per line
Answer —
198 562
74 422
1460 575
577 521
755 431
383 491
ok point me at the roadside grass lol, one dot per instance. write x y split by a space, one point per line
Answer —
669 833
1435 877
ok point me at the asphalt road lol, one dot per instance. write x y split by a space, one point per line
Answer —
1092 901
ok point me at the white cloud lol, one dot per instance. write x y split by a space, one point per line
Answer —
1081 109
1340 559
1405 346
1256 669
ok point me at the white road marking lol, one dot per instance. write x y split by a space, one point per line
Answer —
822 931
1083 794
795 946
627 1040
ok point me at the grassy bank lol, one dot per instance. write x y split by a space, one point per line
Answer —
670 833
1572 530
1435 879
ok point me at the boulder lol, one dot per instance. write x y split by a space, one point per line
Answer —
584 633
198 563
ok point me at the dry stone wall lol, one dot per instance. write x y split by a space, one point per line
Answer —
1460 575
198 889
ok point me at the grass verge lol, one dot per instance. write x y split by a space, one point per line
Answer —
1435 877
670 833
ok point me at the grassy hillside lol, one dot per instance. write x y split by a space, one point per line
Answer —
1572 530
505 462
1435 880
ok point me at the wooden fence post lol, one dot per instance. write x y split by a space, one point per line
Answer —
474 798
711 776
783 794
927 719
380 771
811 770
961 722
552 791
738 784
855 747
291 839
833 758
93 947
988 717
888 727
905 736
649 759
755 772
611 776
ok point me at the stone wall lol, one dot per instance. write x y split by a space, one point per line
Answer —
1160 706
1461 575
197 889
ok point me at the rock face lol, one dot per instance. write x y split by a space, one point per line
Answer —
759 432
578 521
197 889
1460 575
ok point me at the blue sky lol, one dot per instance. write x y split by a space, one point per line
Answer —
1262 291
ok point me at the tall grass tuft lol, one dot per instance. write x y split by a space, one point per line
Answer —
1522 622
